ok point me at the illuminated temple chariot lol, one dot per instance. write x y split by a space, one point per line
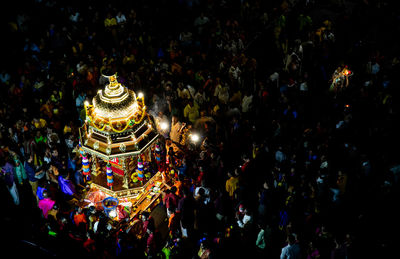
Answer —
117 143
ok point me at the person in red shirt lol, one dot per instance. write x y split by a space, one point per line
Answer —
79 217
89 244
148 221
151 242
170 200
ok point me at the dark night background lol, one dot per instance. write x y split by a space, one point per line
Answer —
364 31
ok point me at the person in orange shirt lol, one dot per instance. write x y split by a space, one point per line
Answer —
178 185
174 223
79 217
47 108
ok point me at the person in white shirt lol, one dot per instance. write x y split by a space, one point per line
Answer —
74 17
201 22
176 126
247 218
204 192
121 19
247 102
292 249
200 98
222 92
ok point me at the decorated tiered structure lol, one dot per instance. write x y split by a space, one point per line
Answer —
118 134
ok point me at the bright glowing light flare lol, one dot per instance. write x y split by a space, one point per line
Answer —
164 125
112 214
140 95
195 137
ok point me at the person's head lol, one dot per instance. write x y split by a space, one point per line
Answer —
202 192
265 185
237 171
145 216
173 189
54 152
291 239
150 228
174 119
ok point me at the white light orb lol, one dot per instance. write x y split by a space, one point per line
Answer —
164 125
112 214
195 137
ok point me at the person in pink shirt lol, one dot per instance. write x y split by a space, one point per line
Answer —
46 204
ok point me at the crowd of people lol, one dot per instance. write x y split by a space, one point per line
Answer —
286 166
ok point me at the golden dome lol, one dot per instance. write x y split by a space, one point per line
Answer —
115 106
115 102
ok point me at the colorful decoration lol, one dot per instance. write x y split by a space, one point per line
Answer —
110 176
81 151
110 205
108 150
340 78
96 145
140 171
85 166
102 115
117 123
122 147
157 154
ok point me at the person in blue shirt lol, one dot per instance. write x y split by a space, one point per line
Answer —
31 173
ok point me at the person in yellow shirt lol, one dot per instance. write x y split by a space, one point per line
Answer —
110 21
232 183
191 111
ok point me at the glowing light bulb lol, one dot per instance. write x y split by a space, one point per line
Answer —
195 137
140 95
164 125
112 214
86 103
